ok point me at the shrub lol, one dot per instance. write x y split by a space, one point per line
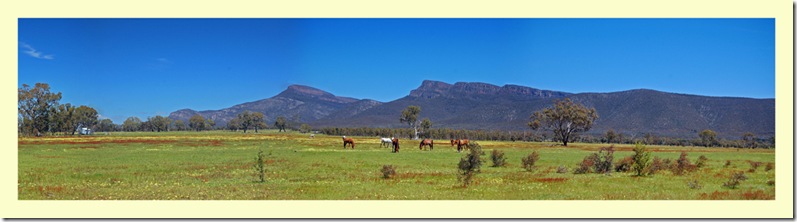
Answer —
624 165
388 171
735 179
694 184
727 164
561 169
259 166
470 164
529 161
658 164
682 165
769 167
498 158
586 165
701 161
753 166
641 160
604 161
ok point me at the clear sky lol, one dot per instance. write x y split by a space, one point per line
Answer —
148 67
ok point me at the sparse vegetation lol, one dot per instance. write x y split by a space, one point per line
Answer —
221 165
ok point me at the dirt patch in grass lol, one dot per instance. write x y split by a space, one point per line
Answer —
49 157
414 175
115 141
716 195
746 195
551 179
757 195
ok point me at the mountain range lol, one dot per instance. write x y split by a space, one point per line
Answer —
474 105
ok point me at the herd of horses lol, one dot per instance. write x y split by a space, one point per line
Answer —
385 142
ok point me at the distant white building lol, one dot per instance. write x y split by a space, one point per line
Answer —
85 131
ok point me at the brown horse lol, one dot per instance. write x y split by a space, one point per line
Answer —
460 143
348 141
395 145
426 142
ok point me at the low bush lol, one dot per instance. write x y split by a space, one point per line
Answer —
586 164
604 162
753 166
656 165
470 164
682 165
735 179
640 160
701 161
769 167
388 171
694 184
260 168
561 169
498 158
529 162
624 165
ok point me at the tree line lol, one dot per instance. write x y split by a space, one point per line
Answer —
40 113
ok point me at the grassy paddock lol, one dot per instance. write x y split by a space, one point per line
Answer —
220 165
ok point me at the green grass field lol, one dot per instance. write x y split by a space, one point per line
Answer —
219 166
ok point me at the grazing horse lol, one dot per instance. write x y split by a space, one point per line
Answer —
460 143
386 142
395 145
426 142
348 141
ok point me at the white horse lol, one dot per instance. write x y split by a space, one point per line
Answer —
386 142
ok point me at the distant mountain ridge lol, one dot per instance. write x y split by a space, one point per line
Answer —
475 105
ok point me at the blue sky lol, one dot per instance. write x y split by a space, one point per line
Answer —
148 67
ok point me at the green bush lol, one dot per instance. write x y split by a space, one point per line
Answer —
470 164
260 167
498 158
641 160
529 162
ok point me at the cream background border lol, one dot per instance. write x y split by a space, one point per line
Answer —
781 10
